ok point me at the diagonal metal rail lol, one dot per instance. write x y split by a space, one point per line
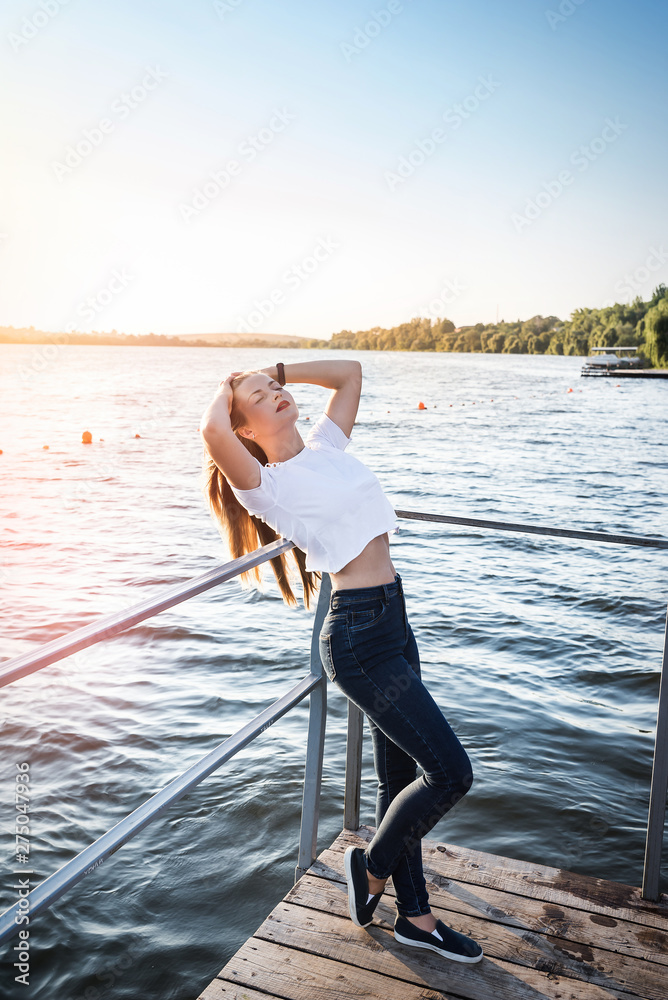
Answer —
314 684
110 625
54 886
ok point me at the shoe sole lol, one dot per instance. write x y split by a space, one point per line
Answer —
469 959
352 910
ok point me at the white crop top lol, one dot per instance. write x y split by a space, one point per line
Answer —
325 501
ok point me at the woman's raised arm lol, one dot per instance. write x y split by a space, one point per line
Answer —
343 377
236 463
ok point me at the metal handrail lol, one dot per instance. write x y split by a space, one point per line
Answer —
118 621
54 886
110 625
538 529
656 815
315 742
314 685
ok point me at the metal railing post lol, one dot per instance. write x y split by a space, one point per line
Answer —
353 786
658 788
315 742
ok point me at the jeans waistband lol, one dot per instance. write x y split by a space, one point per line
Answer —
382 591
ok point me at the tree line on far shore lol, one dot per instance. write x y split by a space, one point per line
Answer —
29 335
639 324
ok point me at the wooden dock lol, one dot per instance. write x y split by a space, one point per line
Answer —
546 933
627 373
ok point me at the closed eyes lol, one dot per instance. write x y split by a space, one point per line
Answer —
276 385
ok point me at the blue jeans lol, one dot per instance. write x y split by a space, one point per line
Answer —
368 650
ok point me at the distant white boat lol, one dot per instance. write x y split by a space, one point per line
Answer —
611 359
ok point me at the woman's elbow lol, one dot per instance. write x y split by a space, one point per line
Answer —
210 431
205 429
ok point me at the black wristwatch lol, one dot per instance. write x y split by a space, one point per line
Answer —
280 370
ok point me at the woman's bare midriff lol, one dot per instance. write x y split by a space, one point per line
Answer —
370 568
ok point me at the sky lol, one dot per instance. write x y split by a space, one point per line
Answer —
303 168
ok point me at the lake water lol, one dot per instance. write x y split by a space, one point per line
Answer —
544 654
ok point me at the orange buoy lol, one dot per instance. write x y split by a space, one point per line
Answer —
86 437
569 390
0 451
45 447
421 406
137 435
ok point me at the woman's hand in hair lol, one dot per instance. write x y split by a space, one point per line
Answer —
238 466
230 376
226 392
220 407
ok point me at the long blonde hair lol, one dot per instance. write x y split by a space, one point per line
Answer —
245 532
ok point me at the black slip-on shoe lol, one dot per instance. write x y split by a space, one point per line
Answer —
452 945
361 912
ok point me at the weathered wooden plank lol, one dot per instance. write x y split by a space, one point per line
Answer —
328 865
613 934
297 975
572 924
546 934
318 914
554 885
219 989
294 974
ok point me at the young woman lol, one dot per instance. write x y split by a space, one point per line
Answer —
263 482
